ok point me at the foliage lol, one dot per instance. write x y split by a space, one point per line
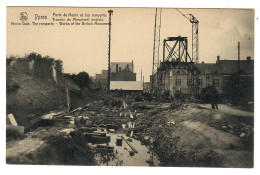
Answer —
82 79
42 66
71 150
239 88
207 94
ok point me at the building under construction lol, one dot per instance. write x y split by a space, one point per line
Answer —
177 71
176 63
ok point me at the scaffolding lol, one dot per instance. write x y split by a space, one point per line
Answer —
176 56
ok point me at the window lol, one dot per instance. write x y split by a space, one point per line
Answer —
189 82
200 82
170 73
178 81
216 82
242 81
226 79
207 77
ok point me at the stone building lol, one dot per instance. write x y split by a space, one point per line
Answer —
211 74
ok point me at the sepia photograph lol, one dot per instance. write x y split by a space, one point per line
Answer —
146 87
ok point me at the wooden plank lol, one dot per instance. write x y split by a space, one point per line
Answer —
134 129
129 145
12 119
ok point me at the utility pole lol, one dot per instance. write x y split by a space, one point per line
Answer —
109 46
238 59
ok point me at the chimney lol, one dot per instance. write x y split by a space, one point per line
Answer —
248 58
218 59
202 62
141 74
132 65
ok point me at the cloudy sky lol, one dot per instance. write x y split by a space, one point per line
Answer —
85 48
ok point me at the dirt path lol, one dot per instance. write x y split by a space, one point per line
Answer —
217 138
228 146
25 146
229 110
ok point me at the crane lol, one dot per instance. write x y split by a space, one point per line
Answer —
156 46
195 36
194 86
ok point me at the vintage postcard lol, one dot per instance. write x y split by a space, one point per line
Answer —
166 87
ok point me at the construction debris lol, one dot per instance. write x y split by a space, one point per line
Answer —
164 130
12 126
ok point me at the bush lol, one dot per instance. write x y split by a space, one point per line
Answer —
14 135
70 150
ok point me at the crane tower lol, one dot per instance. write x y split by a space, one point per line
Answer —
195 38
156 46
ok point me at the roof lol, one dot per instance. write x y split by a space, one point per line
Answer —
121 65
231 66
227 67
126 85
207 68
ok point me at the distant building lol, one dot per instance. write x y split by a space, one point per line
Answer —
102 77
121 72
124 75
119 66
124 78
100 80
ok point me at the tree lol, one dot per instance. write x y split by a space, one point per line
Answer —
82 79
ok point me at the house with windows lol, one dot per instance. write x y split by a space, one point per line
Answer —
217 74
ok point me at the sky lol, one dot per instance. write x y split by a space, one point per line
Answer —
85 48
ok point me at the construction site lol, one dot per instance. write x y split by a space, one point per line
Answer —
190 114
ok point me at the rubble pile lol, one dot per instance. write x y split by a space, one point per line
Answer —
159 128
177 145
